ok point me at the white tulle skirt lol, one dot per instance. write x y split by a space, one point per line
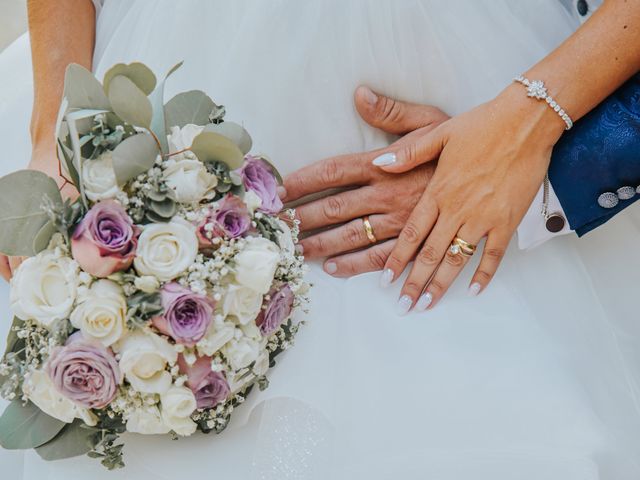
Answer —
536 378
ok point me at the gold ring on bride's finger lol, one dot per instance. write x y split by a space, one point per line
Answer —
462 247
368 229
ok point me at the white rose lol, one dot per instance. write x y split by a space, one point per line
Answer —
190 180
144 357
165 250
262 363
44 288
146 420
256 264
182 138
243 303
252 201
147 283
285 239
241 352
102 313
178 403
99 178
215 338
40 390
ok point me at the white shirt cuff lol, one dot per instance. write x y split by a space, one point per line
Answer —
532 230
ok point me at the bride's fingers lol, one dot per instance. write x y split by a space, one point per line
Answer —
395 116
334 172
336 209
14 263
447 271
425 148
371 259
350 236
5 269
494 249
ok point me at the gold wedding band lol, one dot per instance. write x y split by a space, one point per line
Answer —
462 247
368 229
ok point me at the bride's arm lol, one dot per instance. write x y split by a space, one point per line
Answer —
493 159
61 32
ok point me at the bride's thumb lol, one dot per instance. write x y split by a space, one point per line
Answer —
394 116
405 155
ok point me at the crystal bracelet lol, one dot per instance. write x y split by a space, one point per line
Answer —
536 89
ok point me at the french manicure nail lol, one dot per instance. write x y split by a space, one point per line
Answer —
386 278
385 159
369 97
281 191
474 289
299 248
424 301
404 304
330 268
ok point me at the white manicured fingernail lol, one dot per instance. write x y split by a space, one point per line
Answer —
424 301
281 191
474 289
369 97
330 268
299 249
384 160
386 278
404 304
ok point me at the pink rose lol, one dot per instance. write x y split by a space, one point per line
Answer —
210 388
105 240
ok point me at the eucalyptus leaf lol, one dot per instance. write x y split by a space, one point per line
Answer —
129 102
22 195
14 343
134 156
137 72
65 155
193 107
234 132
74 439
212 147
158 124
43 237
83 90
26 426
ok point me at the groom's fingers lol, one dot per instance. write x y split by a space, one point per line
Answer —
370 259
336 209
395 116
350 236
334 172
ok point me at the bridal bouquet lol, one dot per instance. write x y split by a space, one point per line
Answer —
156 300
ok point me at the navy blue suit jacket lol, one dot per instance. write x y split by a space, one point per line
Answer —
601 153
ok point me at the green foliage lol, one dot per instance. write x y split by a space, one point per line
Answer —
193 107
25 426
142 307
74 439
134 156
83 90
137 72
234 132
158 123
22 196
129 102
214 147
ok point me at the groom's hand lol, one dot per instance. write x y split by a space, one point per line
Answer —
335 221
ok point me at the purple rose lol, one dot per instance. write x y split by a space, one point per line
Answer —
277 311
230 219
106 239
209 387
187 315
85 372
258 177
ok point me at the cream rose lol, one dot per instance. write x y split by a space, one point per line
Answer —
215 338
182 138
190 180
165 250
242 303
45 287
252 201
147 421
241 352
40 390
99 178
102 312
178 403
256 264
147 283
144 358
285 240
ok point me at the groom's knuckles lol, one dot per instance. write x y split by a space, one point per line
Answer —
371 259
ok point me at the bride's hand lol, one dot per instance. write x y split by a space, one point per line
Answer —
388 199
43 159
491 162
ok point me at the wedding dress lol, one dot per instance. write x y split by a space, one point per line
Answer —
537 378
